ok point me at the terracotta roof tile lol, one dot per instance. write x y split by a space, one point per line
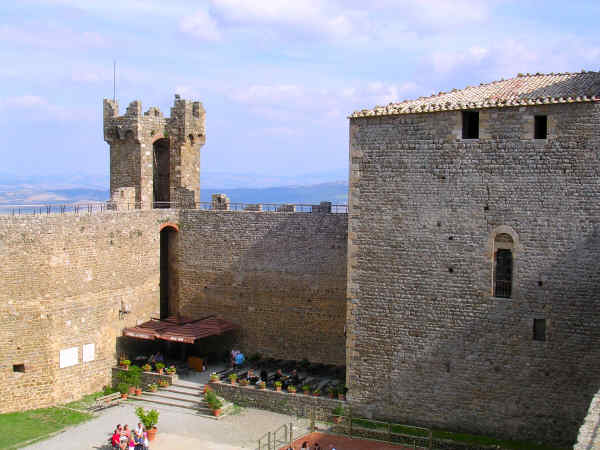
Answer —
534 89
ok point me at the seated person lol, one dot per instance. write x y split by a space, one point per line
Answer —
115 441
264 375
278 375
252 378
295 378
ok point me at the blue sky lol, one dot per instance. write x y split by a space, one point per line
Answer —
277 78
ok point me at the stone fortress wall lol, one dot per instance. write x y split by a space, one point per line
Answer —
428 343
64 278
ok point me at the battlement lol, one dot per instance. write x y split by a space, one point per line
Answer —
158 156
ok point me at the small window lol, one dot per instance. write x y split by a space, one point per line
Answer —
541 127
503 275
539 329
470 125
19 368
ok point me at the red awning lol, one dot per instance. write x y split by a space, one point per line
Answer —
186 331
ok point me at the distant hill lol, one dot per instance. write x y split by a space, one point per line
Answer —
335 192
24 190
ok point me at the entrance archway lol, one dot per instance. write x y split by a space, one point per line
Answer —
161 163
168 235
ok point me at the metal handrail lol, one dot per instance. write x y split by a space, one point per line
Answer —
95 207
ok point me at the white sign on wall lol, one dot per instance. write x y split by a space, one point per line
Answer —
88 353
69 357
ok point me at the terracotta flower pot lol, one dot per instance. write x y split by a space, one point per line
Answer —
152 433
138 391
341 397
232 382
216 412
306 392
131 390
124 366
278 388
330 395
160 371
124 396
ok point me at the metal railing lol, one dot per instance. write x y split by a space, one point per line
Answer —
99 207
282 436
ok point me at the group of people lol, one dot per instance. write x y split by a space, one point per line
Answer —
307 446
125 439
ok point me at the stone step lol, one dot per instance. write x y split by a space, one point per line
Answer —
177 390
175 396
188 385
199 408
202 408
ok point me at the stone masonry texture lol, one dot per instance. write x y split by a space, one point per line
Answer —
64 278
428 343
62 283
281 276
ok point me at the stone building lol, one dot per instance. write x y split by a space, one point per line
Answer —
473 243
460 289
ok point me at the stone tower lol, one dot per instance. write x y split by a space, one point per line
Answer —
154 160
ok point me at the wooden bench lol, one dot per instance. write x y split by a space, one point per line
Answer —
106 400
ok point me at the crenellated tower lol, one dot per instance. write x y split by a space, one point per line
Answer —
154 160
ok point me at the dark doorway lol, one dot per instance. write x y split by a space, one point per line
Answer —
167 236
160 173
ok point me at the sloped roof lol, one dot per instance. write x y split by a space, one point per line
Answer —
182 330
534 89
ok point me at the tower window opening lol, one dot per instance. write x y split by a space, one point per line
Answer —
539 329
19 368
470 125
541 127
503 265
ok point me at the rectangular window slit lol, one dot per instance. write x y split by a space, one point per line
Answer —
470 128
541 127
539 329
19 368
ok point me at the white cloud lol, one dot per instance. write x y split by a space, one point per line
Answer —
39 108
50 37
201 25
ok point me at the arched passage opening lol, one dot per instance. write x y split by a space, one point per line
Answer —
168 236
161 173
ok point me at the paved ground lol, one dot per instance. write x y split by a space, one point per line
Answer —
177 430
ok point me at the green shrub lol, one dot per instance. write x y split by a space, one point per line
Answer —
149 419
339 411
123 388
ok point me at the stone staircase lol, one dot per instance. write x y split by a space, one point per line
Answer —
182 394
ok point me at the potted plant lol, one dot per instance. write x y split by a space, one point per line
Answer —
149 420
306 389
135 379
342 392
291 389
244 382
146 367
232 378
316 392
171 370
213 402
163 383
261 385
123 388
124 364
153 387
159 367
331 392
338 413
278 385
214 378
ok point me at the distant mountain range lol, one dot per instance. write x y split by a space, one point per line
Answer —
240 188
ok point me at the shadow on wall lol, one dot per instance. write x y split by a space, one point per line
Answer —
282 277
536 387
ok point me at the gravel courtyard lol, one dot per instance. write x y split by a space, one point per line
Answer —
178 429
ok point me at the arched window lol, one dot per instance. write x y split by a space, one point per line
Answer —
503 265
